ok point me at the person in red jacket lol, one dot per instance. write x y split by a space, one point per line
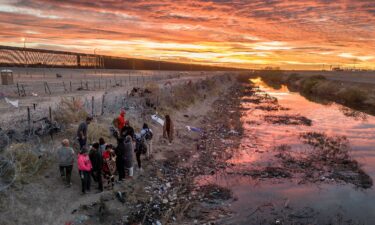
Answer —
121 120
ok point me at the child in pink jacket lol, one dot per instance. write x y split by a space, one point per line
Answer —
84 169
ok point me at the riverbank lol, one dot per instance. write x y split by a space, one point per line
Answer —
165 192
299 162
359 96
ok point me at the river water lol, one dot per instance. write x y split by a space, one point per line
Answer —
286 201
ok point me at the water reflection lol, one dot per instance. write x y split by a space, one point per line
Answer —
260 138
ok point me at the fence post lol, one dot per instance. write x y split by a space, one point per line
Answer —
50 113
47 87
102 113
18 90
92 105
65 90
28 118
23 90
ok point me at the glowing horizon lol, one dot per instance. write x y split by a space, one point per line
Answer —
290 34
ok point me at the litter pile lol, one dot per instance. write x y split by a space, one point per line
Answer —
327 160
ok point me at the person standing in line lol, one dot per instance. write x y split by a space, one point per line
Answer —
102 145
127 130
121 120
82 132
168 129
84 169
108 166
140 148
97 165
147 134
128 156
120 152
65 155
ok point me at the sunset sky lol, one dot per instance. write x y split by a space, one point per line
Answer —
291 34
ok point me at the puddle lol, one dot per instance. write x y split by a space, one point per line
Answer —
285 201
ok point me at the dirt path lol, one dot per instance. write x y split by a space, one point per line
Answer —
47 201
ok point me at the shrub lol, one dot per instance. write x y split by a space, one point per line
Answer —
96 131
307 84
352 96
69 111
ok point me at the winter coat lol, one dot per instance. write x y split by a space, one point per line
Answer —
96 160
109 166
121 121
128 154
84 163
65 156
127 130
120 149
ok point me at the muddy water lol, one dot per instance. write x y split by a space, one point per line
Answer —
270 201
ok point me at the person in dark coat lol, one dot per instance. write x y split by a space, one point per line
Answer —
97 165
128 156
127 130
82 132
120 153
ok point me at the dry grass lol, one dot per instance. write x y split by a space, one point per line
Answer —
96 131
27 162
182 96
69 111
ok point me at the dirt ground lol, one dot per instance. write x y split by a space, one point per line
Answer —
45 200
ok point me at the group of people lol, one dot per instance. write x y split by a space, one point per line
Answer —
101 161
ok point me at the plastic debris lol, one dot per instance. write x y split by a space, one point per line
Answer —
194 129
120 197
13 103
157 119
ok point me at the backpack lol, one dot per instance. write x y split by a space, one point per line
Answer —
148 134
140 146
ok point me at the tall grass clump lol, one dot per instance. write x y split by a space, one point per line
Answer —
27 163
182 96
352 96
70 111
308 84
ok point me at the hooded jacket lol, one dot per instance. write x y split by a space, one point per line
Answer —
84 163
65 156
128 153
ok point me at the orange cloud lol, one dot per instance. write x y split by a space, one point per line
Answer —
291 34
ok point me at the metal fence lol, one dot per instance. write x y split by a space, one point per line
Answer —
29 57
14 56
